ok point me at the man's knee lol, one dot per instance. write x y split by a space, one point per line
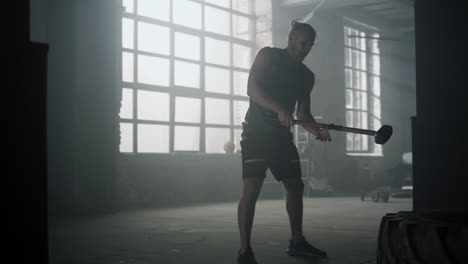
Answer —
252 187
294 186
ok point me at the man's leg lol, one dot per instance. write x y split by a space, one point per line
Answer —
246 209
294 206
298 246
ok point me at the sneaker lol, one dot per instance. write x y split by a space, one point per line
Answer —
247 257
304 249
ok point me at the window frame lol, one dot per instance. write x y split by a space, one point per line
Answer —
370 32
180 91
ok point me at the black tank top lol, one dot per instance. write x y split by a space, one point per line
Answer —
284 82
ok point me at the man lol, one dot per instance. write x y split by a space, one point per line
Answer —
277 81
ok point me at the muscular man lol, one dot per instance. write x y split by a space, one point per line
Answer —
277 81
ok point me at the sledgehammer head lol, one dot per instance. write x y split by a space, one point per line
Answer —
383 134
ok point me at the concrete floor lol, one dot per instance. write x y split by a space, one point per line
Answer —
345 227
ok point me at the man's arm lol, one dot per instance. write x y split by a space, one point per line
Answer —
257 93
303 110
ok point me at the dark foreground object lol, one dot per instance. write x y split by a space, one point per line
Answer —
406 237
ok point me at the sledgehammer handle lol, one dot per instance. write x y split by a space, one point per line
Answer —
336 127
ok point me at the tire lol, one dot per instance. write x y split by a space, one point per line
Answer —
408 238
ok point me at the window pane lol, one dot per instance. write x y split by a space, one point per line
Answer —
374 44
153 38
240 83
365 142
127 67
377 148
153 138
358 41
217 111
364 120
126 137
216 20
357 100
241 6
377 124
155 9
187 46
187 109
237 139
128 4
348 80
359 79
347 32
357 142
354 40
349 118
242 56
126 107
351 39
187 13
363 61
127 33
376 107
152 70
363 78
186 138
375 64
223 3
240 108
376 85
153 106
217 51
362 41
356 119
349 141
187 74
354 58
349 98
348 57
241 27
355 79
216 138
363 105
217 80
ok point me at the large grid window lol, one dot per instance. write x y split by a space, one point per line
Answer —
185 65
362 87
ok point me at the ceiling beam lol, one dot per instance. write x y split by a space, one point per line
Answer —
292 3
388 15
328 4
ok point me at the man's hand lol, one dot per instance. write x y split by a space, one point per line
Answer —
285 118
321 134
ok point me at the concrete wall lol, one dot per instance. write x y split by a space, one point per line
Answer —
81 101
177 179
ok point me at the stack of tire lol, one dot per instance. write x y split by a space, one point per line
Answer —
408 238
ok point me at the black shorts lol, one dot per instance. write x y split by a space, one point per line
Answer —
277 154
